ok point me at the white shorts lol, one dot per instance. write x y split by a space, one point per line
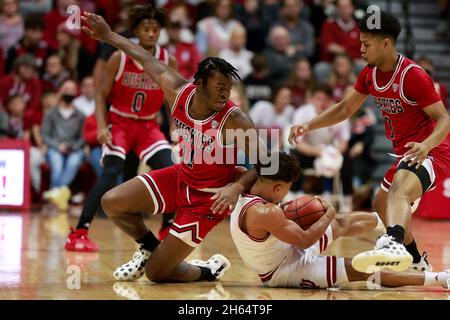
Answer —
307 269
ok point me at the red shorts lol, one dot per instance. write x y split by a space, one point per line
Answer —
436 166
194 218
144 137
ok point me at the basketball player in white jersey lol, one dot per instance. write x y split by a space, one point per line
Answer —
284 255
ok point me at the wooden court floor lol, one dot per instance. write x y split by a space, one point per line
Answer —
34 264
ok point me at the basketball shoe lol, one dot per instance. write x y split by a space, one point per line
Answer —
133 269
423 264
388 253
218 265
78 240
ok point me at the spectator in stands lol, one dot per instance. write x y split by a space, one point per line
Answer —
62 131
339 36
86 101
341 76
23 81
30 7
360 146
428 66
55 74
16 111
311 146
213 33
280 55
32 43
257 84
252 17
237 54
274 115
301 82
68 47
17 127
301 32
11 25
237 95
88 46
186 54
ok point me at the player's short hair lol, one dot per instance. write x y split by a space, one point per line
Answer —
389 26
288 169
214 64
138 13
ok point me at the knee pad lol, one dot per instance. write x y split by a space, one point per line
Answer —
161 159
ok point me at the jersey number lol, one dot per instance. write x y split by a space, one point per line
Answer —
138 101
391 127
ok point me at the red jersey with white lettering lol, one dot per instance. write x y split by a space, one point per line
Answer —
135 95
401 96
205 161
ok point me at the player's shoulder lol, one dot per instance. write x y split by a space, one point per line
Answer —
265 209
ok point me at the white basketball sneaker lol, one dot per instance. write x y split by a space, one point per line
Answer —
444 279
134 269
388 253
218 265
423 264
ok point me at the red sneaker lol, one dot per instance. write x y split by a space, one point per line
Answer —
78 240
162 233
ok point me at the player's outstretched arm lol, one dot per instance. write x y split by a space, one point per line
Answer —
333 115
167 78
271 218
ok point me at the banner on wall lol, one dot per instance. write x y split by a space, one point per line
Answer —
14 174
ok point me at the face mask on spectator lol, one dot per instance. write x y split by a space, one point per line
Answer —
68 97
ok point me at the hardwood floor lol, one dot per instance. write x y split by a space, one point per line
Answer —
34 264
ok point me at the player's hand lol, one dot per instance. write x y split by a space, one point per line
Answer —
226 198
417 153
330 210
97 27
104 136
296 131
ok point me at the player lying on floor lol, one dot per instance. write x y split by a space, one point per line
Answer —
285 255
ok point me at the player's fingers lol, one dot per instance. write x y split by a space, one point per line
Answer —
218 206
215 196
87 30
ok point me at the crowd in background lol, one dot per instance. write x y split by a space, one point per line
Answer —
295 58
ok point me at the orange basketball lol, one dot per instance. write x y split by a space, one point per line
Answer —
304 210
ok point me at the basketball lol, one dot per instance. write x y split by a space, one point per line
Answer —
304 210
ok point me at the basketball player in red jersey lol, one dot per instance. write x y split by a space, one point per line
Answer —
202 114
417 123
135 101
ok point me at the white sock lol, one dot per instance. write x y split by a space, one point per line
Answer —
431 278
380 223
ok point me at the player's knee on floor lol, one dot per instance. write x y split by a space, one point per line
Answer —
156 272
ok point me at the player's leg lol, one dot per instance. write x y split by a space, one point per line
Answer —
124 205
420 262
77 239
387 278
162 159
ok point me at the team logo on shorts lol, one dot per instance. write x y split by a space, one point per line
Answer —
214 124
395 87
